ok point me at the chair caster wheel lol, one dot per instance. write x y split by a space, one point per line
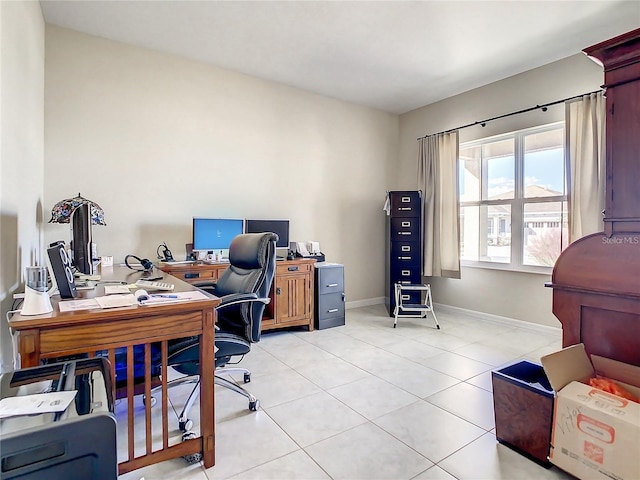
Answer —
247 377
186 425
192 457
253 406
153 401
394 326
438 327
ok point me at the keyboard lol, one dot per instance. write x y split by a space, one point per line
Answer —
151 285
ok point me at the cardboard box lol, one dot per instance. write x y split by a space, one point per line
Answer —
595 435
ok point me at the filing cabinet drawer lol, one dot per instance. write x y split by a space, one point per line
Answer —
405 275
405 253
405 204
331 305
414 297
330 280
405 229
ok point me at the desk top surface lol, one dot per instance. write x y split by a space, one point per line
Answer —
108 276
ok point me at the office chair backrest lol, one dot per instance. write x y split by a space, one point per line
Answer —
252 258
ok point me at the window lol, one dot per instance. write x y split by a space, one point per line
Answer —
513 202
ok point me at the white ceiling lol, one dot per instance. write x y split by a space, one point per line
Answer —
392 55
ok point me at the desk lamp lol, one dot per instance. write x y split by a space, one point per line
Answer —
82 214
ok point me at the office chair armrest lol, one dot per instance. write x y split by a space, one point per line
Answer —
238 298
207 286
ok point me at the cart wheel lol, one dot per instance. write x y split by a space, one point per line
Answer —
247 377
192 457
253 406
186 425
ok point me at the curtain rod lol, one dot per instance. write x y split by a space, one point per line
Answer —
484 122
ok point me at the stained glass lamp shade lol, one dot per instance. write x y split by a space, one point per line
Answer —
62 211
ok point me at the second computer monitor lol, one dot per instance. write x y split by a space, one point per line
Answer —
279 227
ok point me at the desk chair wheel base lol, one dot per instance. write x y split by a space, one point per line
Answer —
192 457
253 406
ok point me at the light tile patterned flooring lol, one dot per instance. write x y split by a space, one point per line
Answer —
367 401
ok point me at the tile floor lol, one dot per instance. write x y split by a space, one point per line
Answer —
366 401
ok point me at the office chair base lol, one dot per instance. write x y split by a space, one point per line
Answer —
254 403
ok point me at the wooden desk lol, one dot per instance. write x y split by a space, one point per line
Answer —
292 293
59 334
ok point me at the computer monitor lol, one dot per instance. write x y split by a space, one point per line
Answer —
212 234
279 227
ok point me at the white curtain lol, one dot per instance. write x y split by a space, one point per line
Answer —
585 131
438 180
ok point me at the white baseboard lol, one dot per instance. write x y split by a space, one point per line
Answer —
498 319
450 309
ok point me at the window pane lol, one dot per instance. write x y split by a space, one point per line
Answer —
544 164
498 241
469 222
469 174
499 162
545 232
485 233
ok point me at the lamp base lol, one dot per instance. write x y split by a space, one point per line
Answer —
35 302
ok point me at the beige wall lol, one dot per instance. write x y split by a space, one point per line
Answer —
510 294
22 152
157 139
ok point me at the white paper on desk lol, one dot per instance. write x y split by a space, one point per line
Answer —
83 304
116 289
36 404
179 297
114 301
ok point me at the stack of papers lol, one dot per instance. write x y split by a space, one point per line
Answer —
129 300
35 404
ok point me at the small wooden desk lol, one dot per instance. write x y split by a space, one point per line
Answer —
59 334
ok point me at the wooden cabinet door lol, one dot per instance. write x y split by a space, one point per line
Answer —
292 294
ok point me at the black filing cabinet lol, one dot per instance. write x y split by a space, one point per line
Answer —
404 246
329 300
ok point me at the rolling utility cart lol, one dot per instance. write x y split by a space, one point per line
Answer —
405 302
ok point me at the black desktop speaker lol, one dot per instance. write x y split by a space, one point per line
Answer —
62 272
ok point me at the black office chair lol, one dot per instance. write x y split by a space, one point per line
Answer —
244 291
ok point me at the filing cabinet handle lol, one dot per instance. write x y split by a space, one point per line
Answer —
404 209
405 199
293 269
332 285
405 273
404 233
192 275
405 224
405 248
332 310
278 291
405 297
404 258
